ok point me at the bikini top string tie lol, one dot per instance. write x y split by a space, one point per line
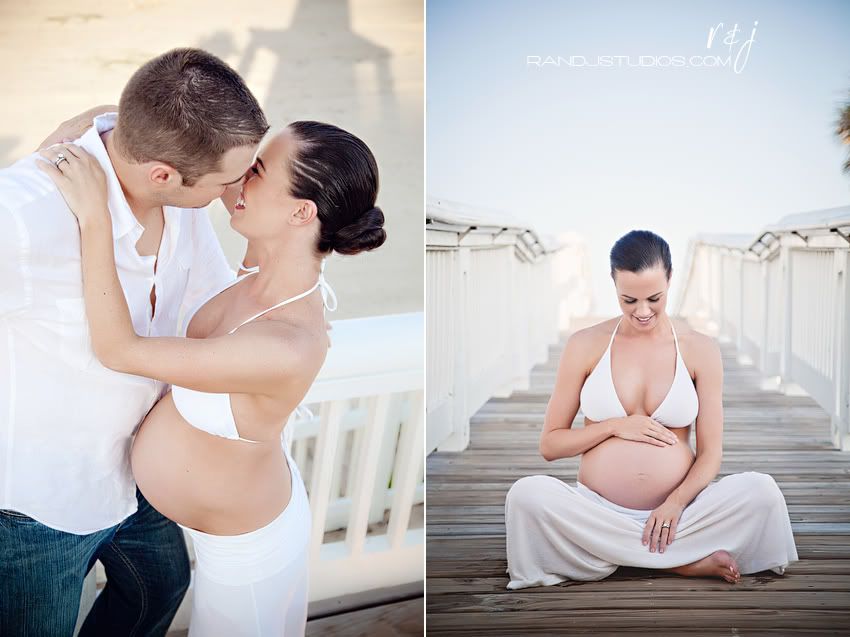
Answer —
327 290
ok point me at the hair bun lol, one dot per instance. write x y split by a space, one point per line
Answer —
366 233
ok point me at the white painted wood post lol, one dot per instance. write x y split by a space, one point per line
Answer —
320 482
765 315
739 329
407 474
389 452
367 468
841 417
459 438
787 318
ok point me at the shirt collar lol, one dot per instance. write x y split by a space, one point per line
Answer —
123 219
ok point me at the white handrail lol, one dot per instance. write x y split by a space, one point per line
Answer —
375 366
492 312
783 298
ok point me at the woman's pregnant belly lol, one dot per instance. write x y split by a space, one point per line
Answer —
636 475
207 482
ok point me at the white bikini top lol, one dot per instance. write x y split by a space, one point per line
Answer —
213 413
599 400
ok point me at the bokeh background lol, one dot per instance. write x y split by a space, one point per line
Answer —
354 63
601 151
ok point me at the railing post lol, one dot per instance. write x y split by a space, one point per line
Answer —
717 289
406 477
368 465
785 355
459 438
739 330
801 339
320 483
518 323
841 413
765 314
785 340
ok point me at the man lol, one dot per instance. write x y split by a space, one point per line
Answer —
187 128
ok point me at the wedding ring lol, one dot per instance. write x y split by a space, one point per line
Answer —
59 159
665 526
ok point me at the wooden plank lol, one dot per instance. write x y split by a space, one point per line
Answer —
785 436
574 600
400 618
631 580
563 621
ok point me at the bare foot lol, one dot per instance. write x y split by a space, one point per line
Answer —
718 564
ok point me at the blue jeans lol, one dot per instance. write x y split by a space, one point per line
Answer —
42 572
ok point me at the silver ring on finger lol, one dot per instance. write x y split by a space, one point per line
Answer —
59 159
666 525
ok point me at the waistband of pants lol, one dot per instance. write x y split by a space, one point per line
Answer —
255 555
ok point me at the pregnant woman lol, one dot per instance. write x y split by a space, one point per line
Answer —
209 453
642 498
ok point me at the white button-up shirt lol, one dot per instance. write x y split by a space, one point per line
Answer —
66 422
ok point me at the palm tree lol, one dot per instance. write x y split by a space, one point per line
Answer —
843 130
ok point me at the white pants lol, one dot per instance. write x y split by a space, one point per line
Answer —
254 584
557 532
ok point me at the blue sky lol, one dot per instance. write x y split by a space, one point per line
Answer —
601 151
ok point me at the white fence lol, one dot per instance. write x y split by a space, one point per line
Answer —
361 456
492 311
783 299
369 427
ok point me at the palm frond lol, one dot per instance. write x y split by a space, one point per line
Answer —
843 130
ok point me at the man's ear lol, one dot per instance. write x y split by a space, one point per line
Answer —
163 175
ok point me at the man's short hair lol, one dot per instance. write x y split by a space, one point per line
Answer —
187 108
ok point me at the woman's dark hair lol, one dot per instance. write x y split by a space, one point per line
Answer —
337 171
640 250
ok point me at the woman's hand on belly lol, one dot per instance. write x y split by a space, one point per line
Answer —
634 474
639 428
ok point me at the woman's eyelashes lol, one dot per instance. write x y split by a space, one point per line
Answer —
632 301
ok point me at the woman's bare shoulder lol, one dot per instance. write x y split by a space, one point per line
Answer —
294 349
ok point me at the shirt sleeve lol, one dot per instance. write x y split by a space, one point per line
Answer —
15 271
209 269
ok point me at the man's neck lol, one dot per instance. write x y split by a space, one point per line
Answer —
143 208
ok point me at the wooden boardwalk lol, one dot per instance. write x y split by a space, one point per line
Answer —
787 437
398 612
397 619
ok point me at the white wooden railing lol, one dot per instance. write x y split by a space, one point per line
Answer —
782 298
369 401
360 453
492 311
